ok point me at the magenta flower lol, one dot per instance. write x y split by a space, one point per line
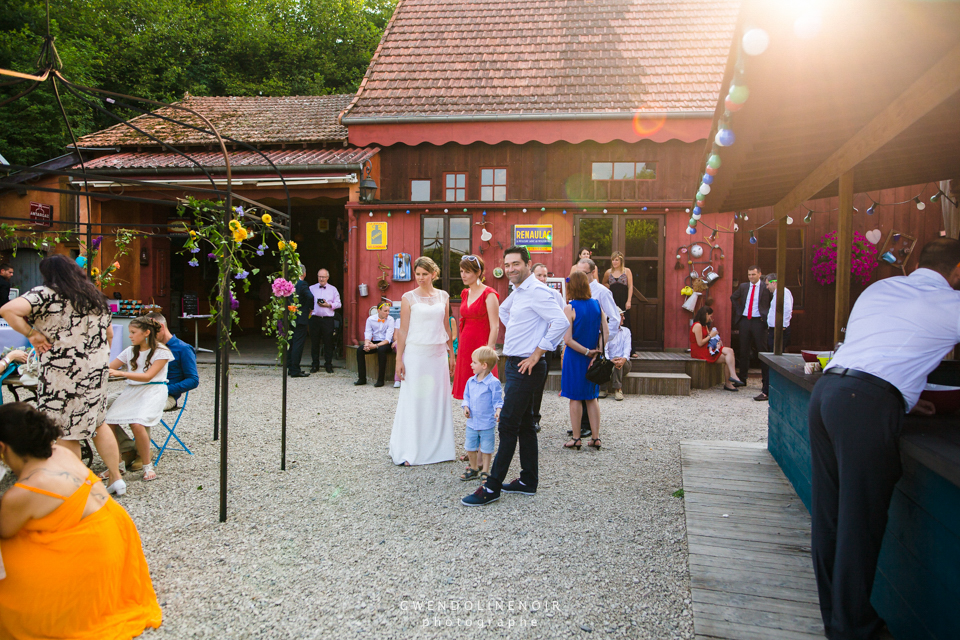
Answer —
863 259
282 288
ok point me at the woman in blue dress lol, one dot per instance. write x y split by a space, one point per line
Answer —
582 338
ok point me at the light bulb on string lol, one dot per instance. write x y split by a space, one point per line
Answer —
725 137
707 178
736 227
809 217
713 236
871 209
935 196
920 205
753 238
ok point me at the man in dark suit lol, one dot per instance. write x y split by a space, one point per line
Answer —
751 303
6 272
301 328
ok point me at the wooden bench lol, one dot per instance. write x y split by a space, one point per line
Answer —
640 383
371 363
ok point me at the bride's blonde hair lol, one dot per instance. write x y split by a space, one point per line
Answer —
427 264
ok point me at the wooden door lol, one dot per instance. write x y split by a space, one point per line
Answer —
640 239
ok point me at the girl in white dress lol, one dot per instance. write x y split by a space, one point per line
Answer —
141 403
423 427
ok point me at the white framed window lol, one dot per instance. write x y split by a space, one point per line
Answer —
455 187
420 191
624 171
493 185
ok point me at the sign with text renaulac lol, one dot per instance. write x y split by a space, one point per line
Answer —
537 238
41 214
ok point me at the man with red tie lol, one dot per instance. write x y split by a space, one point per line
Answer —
751 304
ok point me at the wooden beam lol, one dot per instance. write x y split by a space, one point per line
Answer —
781 285
940 82
844 246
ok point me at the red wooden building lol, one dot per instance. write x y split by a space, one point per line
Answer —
587 117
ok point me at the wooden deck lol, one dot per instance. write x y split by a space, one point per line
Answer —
748 536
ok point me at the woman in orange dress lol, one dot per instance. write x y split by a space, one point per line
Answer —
72 562
479 320
701 332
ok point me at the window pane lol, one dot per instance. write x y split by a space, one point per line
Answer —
623 171
643 238
486 193
499 194
596 234
602 170
460 229
420 190
432 228
451 179
500 176
646 170
646 277
451 194
486 176
461 180
461 195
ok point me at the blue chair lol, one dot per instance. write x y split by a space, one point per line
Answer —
171 433
11 368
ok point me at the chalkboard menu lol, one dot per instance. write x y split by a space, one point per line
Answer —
190 305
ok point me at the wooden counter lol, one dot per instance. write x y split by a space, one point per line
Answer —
917 587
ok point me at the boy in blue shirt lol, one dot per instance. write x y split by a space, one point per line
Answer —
482 400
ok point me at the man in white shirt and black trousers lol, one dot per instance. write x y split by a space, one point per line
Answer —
771 282
377 337
898 332
534 325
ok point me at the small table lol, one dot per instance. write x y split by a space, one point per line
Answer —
196 330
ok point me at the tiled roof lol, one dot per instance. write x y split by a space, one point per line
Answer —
476 57
251 119
281 157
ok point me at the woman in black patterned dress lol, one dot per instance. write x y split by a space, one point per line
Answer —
68 322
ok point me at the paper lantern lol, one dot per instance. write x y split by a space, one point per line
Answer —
714 161
707 179
738 93
705 189
725 137
711 171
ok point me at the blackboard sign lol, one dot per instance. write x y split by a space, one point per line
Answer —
190 305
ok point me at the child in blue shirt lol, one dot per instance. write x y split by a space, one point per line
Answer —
482 400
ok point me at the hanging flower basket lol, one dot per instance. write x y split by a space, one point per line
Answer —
863 259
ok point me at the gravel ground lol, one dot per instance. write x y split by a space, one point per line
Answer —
344 543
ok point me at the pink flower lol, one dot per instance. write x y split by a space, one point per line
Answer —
282 288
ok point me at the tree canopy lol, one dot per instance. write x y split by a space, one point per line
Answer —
160 49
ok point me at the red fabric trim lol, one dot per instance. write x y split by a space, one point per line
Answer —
522 131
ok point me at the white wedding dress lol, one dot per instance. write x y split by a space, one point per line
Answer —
423 426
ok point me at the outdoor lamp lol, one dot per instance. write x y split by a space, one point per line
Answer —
368 188
920 205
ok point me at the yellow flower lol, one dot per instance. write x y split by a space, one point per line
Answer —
95 271
293 245
267 218
234 225
239 235
193 234
281 245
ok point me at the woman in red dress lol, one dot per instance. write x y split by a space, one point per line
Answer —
479 320
700 334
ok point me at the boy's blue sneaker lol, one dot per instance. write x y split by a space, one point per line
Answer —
480 497
516 486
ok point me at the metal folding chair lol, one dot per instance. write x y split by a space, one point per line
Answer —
171 433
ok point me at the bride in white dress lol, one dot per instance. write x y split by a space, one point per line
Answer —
423 427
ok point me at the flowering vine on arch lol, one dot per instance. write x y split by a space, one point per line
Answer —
231 246
863 258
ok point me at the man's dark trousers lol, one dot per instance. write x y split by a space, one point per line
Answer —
854 442
753 335
297 343
382 352
321 327
516 425
786 343
538 394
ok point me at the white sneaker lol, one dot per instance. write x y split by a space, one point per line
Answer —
119 487
396 384
618 395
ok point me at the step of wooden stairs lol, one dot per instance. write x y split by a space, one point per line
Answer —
644 384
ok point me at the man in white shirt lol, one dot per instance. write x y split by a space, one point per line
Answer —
377 336
618 352
326 300
899 330
771 281
540 271
534 325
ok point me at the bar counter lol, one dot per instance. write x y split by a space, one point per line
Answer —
917 587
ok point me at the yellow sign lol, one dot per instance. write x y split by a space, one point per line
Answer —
376 236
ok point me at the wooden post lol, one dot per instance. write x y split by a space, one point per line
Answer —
781 285
844 245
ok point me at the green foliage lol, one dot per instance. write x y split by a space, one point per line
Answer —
678 493
160 49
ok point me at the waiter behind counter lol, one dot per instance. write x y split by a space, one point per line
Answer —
899 330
